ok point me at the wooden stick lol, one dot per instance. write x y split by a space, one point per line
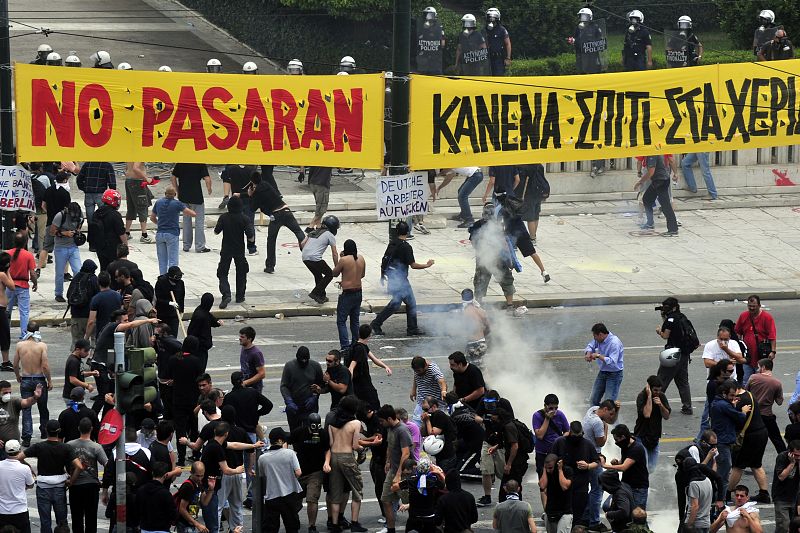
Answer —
180 314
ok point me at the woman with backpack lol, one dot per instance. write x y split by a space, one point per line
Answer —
66 238
81 290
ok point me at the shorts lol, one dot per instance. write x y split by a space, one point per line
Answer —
321 197
752 452
345 476
525 245
137 200
540 463
492 465
431 176
476 350
387 496
531 210
49 240
312 485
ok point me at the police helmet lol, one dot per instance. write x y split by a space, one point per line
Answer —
54 59
44 49
124 66
347 64
101 59
636 14
249 68
685 22
585 14
72 61
164 68
295 67
767 16
468 21
430 13
213 65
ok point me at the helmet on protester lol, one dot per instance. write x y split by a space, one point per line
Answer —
112 197
636 14
670 357
213 65
685 23
468 22
164 68
767 16
347 64
54 59
585 14
42 53
72 61
249 68
101 59
332 223
295 67
432 445
124 66
492 18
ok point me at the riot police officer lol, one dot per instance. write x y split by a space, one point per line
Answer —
498 42
54 59
213 66
637 51
101 59
249 68
765 31
348 65
295 67
472 55
72 60
430 43
41 54
683 48
780 47
591 45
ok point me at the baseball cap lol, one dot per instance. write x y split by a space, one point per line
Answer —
148 424
278 433
77 394
53 427
13 447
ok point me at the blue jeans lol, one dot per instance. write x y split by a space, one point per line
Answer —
401 292
724 462
705 421
348 305
606 386
210 516
22 299
52 499
91 201
688 174
748 371
652 455
64 255
465 190
592 513
26 389
167 250
199 232
640 498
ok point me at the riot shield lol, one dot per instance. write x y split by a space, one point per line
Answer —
591 47
762 36
429 47
474 54
680 49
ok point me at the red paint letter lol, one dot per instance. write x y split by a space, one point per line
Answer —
318 124
157 106
44 107
219 93
187 109
255 124
284 122
349 120
104 111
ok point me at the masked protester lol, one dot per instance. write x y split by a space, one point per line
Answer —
702 456
301 384
310 441
201 324
632 464
578 454
170 292
619 507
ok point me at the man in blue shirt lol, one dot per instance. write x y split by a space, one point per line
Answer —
607 350
165 215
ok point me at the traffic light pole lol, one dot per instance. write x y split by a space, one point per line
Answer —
7 156
401 67
119 461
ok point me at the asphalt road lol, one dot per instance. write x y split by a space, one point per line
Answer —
536 354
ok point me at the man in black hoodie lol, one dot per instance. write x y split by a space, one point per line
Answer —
157 510
618 512
250 405
166 346
456 508
200 326
170 293
183 370
233 225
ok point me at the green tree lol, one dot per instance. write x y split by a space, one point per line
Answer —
739 18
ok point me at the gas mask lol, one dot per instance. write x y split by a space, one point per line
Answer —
5 398
315 427
585 18
430 18
491 23
490 404
634 25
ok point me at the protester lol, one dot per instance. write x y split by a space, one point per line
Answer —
279 469
24 275
16 477
652 407
513 515
165 215
234 225
201 324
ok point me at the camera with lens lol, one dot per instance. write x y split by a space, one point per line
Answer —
659 308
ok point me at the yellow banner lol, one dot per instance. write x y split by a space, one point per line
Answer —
88 114
507 121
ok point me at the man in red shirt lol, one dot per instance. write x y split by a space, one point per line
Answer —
756 328
23 272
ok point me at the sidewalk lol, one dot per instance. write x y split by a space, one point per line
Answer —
592 259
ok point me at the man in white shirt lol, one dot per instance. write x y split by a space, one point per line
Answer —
473 177
722 348
280 470
15 479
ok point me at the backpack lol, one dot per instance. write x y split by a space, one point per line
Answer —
79 292
39 189
177 499
525 437
689 340
386 261
96 231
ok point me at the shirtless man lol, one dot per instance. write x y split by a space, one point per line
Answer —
6 284
340 463
476 327
352 267
742 517
33 370
138 202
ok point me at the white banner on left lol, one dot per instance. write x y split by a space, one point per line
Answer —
401 196
16 192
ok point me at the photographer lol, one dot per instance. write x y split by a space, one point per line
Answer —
780 47
678 331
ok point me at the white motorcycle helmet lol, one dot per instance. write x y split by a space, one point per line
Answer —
670 357
492 18
54 59
430 13
432 445
101 59
342 73
214 65
767 16
164 68
585 14
249 68
468 22
124 66
72 61
685 23
347 64
295 67
636 14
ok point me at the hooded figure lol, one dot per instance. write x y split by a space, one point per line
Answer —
234 226
300 386
169 295
620 507
456 508
79 295
141 336
142 287
201 323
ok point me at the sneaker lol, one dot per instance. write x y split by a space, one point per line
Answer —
355 527
484 501
533 241
49 259
224 203
384 529
409 237
248 503
415 332
203 250
545 276
146 239
647 226
466 224
670 234
343 522
319 299
761 497
60 299
678 222
457 216
301 176
686 410
381 520
421 228
269 270
376 329
239 300
186 250
252 251
225 301
600 170
67 276
6 366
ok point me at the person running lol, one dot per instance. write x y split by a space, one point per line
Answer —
313 249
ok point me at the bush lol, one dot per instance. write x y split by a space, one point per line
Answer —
739 18
659 14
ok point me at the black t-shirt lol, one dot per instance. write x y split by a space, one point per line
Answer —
786 490
573 450
235 458
190 179
649 429
362 381
637 475
504 178
510 435
113 229
310 454
104 303
207 433
402 257
657 162
672 322
191 493
159 453
439 419
374 427
71 369
559 501
711 390
213 454
238 176
757 423
484 410
339 374
234 227
320 176
467 382
54 458
422 504
183 371
105 345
